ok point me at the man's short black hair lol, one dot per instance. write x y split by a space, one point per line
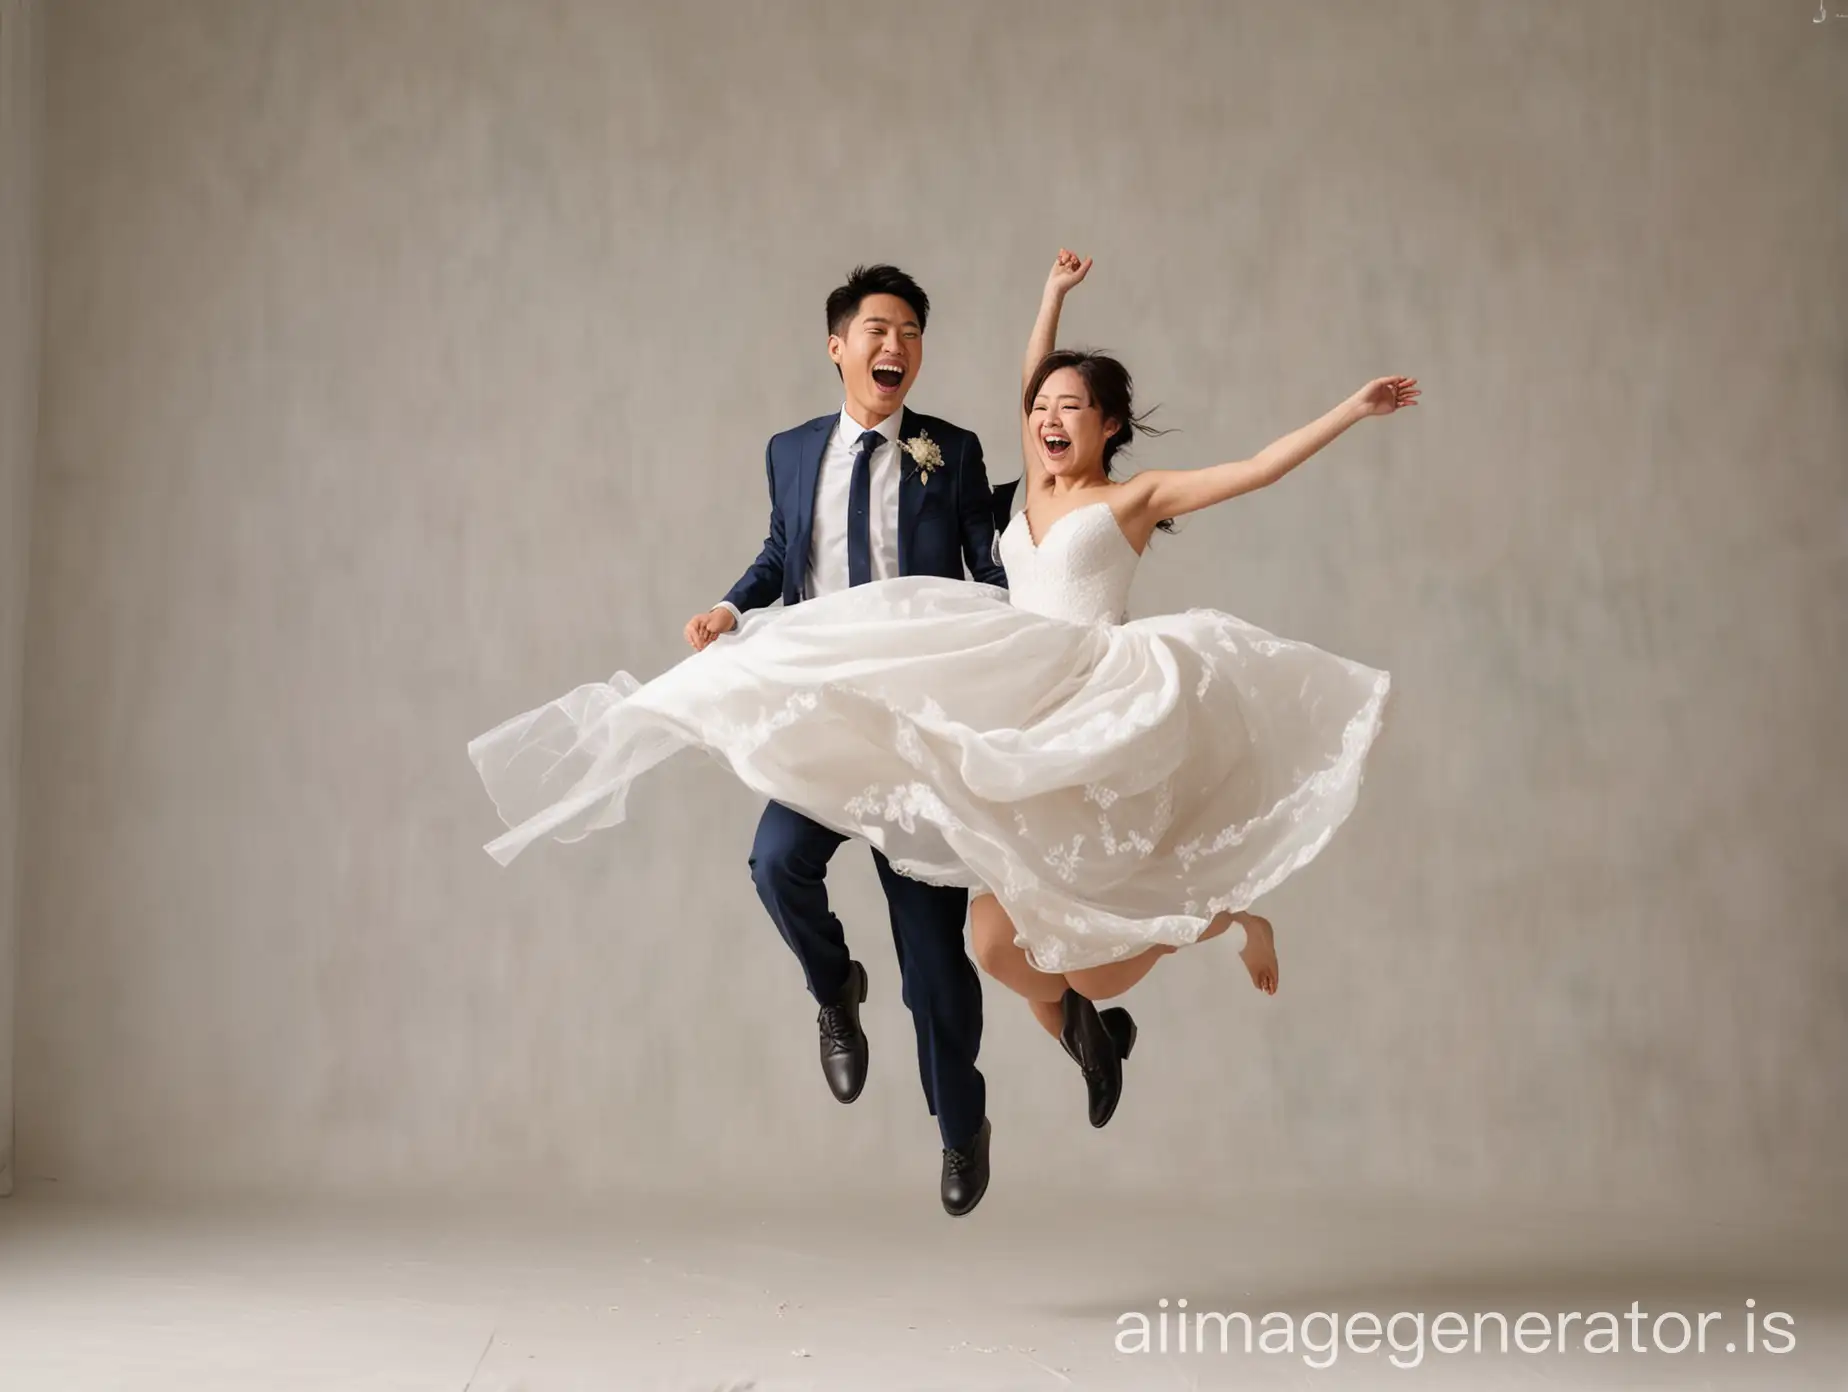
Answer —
845 302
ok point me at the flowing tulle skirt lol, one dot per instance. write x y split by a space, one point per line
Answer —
1115 786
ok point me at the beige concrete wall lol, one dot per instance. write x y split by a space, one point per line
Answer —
407 363
21 135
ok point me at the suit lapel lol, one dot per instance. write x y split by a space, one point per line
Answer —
910 491
808 479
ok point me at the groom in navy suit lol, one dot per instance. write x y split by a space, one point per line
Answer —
849 505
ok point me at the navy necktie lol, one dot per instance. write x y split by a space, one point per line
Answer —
860 511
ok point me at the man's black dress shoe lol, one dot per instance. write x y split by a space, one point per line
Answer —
843 1042
965 1174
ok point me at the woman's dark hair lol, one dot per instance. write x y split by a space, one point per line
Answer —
1112 392
845 302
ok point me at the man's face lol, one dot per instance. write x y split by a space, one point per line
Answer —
879 356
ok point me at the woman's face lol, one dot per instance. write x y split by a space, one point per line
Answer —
1069 431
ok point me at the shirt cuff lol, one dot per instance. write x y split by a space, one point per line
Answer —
731 609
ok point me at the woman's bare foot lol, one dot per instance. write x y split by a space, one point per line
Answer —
1259 952
1220 923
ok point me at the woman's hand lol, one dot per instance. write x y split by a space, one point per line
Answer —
1068 270
1384 395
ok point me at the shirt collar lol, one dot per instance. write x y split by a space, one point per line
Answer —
852 430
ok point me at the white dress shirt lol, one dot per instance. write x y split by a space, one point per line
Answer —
825 566
827 557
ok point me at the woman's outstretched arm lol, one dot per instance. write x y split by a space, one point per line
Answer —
1163 493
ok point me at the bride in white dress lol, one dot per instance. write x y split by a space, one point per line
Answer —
1221 766
1112 790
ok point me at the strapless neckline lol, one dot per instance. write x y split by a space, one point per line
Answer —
1038 545
1075 572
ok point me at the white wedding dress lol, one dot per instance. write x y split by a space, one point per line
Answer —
1116 784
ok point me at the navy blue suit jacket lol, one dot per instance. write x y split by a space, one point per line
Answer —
945 523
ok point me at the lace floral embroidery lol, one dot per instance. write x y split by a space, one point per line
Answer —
1114 785
904 805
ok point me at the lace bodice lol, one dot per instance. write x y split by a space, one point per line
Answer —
1080 571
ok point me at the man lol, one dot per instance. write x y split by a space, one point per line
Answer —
848 508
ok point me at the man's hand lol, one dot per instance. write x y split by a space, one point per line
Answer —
703 628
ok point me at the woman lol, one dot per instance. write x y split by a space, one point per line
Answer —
1113 790
1077 415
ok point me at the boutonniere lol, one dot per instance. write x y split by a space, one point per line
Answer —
924 452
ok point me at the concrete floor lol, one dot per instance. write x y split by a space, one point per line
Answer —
667 1296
